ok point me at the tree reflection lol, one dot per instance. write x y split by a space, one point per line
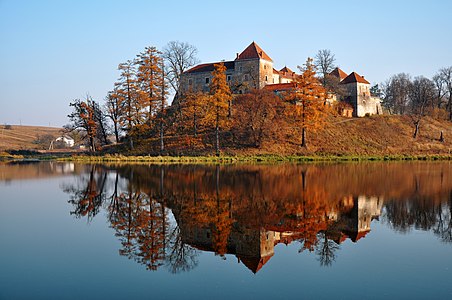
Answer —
326 250
140 224
421 214
88 195
181 256
164 215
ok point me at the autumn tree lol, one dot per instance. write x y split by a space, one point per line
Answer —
85 117
217 106
193 110
126 88
149 78
308 102
162 106
179 56
257 117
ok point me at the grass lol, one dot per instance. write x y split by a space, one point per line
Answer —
245 159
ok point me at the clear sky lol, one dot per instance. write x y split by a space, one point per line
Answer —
52 52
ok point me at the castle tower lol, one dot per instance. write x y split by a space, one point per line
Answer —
358 90
253 68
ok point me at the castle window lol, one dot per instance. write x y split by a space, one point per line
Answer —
266 78
246 76
265 67
207 80
190 82
240 69
228 78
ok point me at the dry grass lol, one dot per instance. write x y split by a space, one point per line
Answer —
22 137
383 135
368 136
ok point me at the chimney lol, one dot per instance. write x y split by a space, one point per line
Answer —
237 56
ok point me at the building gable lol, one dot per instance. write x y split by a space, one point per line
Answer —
253 51
354 77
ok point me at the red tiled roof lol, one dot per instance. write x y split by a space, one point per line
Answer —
255 263
286 70
338 73
280 86
354 77
275 71
355 236
210 67
253 51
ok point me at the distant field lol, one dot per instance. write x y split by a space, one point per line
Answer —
24 137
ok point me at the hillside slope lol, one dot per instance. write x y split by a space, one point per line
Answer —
383 135
24 137
374 135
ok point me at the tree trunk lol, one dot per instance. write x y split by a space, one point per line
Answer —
162 146
303 137
195 133
217 134
416 128
217 140
116 132
92 145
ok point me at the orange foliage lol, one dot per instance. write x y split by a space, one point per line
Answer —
309 102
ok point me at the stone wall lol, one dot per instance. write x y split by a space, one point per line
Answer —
361 100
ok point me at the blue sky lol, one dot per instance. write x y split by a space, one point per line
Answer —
52 52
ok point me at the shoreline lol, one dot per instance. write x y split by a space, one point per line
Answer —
227 159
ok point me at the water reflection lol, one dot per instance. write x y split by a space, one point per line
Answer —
166 215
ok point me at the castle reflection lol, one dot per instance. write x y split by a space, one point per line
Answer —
166 215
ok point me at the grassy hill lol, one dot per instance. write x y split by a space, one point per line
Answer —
383 135
25 137
375 135
368 136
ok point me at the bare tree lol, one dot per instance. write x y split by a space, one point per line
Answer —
446 76
179 56
324 62
440 91
422 92
396 93
114 107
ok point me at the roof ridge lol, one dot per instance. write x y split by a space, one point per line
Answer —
253 51
354 77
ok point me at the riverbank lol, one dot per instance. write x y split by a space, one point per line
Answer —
375 138
246 159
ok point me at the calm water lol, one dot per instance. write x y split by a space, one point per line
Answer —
369 230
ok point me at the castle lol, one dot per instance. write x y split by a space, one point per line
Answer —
253 69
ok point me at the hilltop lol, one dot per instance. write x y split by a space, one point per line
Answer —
21 137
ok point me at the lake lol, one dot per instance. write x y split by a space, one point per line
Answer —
311 231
